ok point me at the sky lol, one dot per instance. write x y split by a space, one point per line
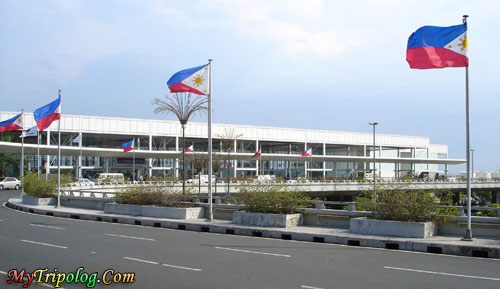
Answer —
333 65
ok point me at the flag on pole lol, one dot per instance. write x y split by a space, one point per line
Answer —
77 139
13 123
193 80
128 146
257 154
189 149
33 131
438 47
307 153
45 115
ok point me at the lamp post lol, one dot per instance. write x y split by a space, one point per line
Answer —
374 160
472 163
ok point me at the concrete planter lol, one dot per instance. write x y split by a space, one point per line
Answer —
267 220
392 228
34 201
152 211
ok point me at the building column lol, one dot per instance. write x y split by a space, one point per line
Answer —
324 163
495 197
306 174
257 161
235 163
47 157
150 160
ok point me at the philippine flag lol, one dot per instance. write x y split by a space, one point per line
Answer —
45 115
189 149
307 153
13 123
257 154
128 146
438 47
193 80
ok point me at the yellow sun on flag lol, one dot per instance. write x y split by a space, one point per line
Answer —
19 121
463 44
198 80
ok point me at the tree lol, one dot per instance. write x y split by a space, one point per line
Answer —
228 139
184 106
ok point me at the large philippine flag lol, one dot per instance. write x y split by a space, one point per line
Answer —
128 146
13 123
438 47
257 154
45 115
193 80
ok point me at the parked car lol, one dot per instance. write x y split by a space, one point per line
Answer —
109 177
10 183
83 182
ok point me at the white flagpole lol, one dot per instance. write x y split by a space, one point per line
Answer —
133 160
22 153
468 232
38 152
80 159
210 215
59 156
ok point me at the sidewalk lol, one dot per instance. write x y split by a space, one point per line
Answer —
451 245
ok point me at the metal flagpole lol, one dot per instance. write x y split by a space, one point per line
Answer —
260 159
59 157
468 232
210 215
80 159
38 152
133 160
22 153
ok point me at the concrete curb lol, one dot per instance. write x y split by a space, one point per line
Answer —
465 249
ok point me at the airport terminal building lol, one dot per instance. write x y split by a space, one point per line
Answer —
158 149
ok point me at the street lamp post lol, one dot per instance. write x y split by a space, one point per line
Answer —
374 160
472 163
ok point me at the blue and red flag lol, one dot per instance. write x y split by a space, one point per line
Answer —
193 80
307 153
45 115
189 149
13 123
128 146
438 47
257 154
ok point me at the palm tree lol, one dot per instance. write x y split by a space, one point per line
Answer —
228 139
184 106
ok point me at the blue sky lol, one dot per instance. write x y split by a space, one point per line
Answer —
334 65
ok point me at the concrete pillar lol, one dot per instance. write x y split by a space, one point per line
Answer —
257 162
495 198
47 158
235 163
306 167
150 160
324 163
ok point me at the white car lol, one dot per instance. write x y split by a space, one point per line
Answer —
83 182
9 183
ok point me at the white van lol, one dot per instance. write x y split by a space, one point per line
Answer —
109 177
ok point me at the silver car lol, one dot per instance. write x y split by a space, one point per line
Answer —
10 183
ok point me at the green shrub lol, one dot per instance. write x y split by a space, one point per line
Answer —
410 205
274 200
488 213
152 196
39 187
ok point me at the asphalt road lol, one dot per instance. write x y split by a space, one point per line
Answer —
163 258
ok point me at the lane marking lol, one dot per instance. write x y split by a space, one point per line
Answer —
180 267
140 260
46 226
1 220
130 237
310 287
162 264
442 273
43 284
44 244
253 252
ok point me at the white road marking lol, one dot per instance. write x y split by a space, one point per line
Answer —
253 252
130 237
43 284
179 267
46 226
442 273
140 260
310 287
1 220
45 244
165 265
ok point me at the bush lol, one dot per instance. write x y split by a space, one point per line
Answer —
40 188
410 205
152 196
274 200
